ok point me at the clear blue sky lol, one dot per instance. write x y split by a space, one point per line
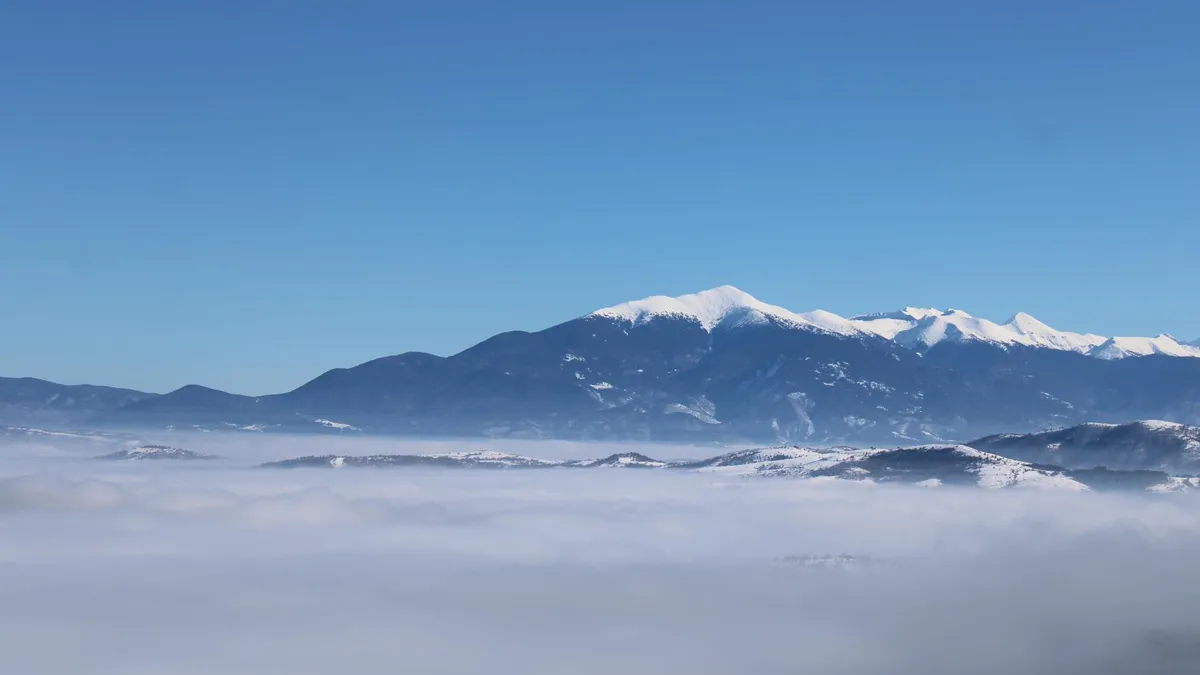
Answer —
244 194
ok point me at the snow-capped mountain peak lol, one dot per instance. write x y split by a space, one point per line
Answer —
706 307
724 305
955 326
1034 333
1026 323
1121 347
914 327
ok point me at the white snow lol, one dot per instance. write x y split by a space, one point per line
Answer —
495 457
622 460
958 326
722 305
1121 347
694 411
788 461
1176 484
1038 334
994 471
1160 425
156 452
915 327
43 432
336 425
1014 474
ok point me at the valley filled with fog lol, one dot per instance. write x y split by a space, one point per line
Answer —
225 566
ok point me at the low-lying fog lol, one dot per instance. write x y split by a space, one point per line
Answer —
218 567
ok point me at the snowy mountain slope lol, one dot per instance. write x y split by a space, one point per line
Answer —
925 466
630 460
724 306
483 459
913 327
1146 445
1122 347
156 452
924 328
1037 334
1177 484
57 436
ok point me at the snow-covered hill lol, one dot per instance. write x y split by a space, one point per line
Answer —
924 466
483 459
156 452
1121 347
1146 445
623 460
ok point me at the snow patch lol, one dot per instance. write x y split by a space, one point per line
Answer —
336 425
694 411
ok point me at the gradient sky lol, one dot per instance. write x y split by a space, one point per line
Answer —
244 194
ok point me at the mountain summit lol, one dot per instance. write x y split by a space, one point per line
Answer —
724 305
714 366
918 328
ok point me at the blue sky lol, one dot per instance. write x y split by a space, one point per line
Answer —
244 194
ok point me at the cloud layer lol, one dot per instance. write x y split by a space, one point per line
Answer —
130 568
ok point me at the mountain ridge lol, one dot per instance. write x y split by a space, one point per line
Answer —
1142 445
925 466
717 366
911 326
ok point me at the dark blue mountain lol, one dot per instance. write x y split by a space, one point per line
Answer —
1145 445
27 400
722 367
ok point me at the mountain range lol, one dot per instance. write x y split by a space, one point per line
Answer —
1144 445
1145 455
156 452
927 466
715 366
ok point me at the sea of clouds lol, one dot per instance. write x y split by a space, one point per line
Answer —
221 567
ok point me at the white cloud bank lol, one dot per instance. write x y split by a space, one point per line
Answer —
127 568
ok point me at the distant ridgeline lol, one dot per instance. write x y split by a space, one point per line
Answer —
717 366
927 466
